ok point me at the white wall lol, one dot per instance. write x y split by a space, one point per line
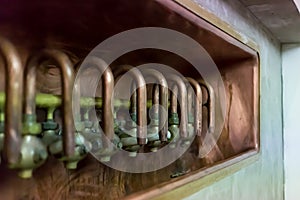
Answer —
264 179
291 110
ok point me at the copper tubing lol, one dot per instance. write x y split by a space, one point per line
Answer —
211 105
13 101
141 100
76 95
173 97
133 99
182 102
198 105
163 99
155 97
66 67
107 121
190 101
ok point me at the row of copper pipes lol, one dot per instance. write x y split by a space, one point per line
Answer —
16 73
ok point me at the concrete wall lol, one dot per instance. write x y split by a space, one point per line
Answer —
291 111
264 179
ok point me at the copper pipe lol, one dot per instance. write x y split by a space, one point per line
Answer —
141 100
133 99
13 101
183 103
216 153
155 97
198 105
76 95
190 100
107 121
173 103
66 67
163 99
211 105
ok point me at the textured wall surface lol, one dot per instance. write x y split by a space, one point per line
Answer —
291 111
264 179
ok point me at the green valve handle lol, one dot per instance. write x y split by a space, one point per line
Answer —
54 140
50 128
54 101
174 129
30 125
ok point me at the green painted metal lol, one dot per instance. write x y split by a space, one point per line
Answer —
54 101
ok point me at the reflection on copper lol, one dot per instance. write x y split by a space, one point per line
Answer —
141 99
63 62
107 121
182 102
197 106
163 100
13 101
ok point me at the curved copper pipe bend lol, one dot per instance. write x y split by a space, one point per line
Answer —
211 105
183 103
217 155
13 101
141 100
107 94
198 105
66 67
163 99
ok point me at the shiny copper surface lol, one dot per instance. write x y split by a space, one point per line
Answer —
107 122
141 100
163 99
182 102
197 106
66 67
13 101
173 97
211 106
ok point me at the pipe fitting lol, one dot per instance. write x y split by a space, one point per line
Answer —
30 125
